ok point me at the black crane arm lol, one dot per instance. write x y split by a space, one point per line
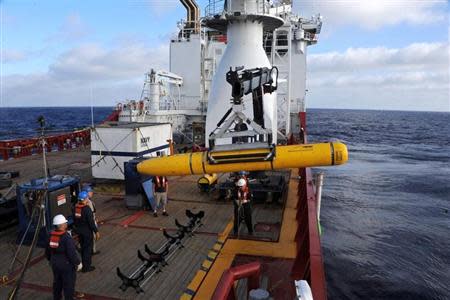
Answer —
246 81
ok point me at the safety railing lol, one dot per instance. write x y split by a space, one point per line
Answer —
216 7
311 37
25 147
225 287
187 30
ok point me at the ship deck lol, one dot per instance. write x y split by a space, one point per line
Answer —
124 231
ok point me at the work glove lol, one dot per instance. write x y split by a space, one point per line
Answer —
79 267
97 236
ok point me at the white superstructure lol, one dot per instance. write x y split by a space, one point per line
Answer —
206 48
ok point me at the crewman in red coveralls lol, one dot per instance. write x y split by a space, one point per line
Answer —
62 254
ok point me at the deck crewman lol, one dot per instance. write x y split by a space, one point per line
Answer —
241 203
160 189
64 260
86 229
90 191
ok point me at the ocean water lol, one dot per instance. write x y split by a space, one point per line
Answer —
385 214
22 122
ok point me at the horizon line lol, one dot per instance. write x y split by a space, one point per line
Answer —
318 108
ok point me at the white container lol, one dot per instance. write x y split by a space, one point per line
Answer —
114 143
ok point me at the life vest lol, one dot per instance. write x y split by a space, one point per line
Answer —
78 208
94 210
55 236
243 195
160 182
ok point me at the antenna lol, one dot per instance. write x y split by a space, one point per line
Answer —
92 107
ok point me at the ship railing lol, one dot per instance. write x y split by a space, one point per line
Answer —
263 7
308 264
187 30
225 288
280 9
186 103
309 36
24 147
214 7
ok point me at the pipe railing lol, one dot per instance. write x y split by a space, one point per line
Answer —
25 147
216 7
225 287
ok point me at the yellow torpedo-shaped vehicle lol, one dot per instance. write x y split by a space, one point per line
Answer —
291 156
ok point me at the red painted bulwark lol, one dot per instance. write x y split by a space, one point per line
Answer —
25 147
317 280
308 264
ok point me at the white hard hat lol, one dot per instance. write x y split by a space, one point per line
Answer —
59 219
241 182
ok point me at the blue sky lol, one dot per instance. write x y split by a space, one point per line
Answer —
57 26
50 49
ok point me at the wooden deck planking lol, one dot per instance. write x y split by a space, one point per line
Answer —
119 248
173 280
68 163
119 245
216 216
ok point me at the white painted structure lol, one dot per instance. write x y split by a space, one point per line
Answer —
249 33
194 56
287 49
244 21
114 143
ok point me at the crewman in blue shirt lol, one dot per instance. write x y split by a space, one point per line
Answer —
86 229
62 254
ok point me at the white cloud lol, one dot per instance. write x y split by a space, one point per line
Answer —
115 74
414 77
373 14
94 62
161 8
73 29
417 55
12 56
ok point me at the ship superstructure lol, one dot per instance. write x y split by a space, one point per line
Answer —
180 95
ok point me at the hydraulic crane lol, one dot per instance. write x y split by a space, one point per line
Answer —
257 81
